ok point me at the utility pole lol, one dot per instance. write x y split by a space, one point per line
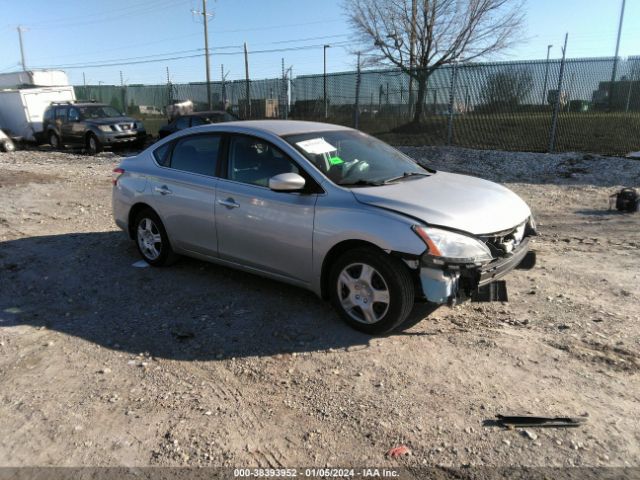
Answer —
223 93
205 22
246 76
84 82
615 60
546 75
24 66
283 94
324 83
556 108
169 88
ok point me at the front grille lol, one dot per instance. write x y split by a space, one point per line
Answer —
125 127
503 243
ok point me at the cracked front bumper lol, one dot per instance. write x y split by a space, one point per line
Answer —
450 283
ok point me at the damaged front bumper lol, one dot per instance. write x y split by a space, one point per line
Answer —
451 283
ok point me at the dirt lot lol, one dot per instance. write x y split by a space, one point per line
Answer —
102 363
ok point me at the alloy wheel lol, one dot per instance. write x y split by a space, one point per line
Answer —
363 293
149 239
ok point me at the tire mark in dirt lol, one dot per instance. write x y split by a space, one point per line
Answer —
617 358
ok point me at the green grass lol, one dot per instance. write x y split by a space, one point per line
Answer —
605 133
151 124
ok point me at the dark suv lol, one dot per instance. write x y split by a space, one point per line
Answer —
196 119
93 126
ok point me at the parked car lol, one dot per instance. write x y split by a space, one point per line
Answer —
6 143
93 126
326 208
195 120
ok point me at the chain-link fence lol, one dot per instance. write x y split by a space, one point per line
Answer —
533 106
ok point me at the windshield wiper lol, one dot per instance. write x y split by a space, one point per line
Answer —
406 175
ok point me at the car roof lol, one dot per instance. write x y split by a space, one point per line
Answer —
283 127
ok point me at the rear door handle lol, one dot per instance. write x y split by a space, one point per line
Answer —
163 190
229 203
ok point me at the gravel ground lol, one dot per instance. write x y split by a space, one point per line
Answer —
102 363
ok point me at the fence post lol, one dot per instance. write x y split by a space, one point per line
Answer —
123 92
556 107
356 108
452 94
247 114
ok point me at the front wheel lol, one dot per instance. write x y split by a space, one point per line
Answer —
152 240
8 146
372 291
93 144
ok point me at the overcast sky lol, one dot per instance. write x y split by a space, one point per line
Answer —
78 33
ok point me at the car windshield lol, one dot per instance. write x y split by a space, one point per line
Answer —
352 158
99 111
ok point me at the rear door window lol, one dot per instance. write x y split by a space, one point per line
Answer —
61 113
197 154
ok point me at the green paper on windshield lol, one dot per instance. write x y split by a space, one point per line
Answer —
335 161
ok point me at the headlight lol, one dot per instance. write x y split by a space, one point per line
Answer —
105 128
453 247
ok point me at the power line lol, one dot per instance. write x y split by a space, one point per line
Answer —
176 56
276 26
222 47
140 9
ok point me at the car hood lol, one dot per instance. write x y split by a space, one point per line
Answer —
110 120
450 200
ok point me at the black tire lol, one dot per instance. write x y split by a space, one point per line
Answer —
165 256
8 146
93 145
54 140
390 275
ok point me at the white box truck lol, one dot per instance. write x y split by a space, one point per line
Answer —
22 109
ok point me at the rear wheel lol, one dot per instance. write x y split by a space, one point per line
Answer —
372 291
54 141
93 144
152 240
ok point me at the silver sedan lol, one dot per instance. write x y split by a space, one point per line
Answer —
326 208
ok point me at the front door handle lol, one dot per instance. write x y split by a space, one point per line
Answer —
163 190
229 203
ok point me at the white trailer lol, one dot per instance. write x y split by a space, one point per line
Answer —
34 78
22 110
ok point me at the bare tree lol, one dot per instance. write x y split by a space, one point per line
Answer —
419 36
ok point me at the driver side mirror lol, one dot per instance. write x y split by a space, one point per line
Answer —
286 182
